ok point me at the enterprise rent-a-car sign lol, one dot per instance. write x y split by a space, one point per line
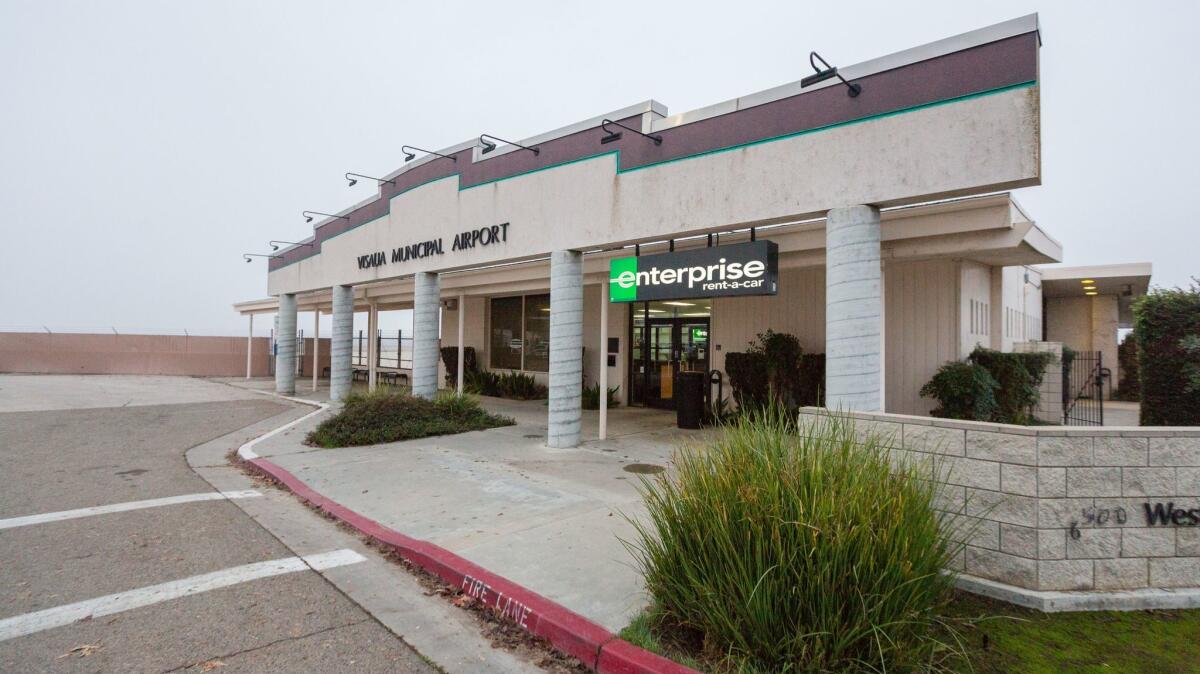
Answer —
741 269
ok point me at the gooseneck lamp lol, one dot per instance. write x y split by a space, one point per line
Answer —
822 74
611 135
308 215
488 146
275 244
410 154
353 178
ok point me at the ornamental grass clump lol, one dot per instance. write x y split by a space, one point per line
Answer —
783 546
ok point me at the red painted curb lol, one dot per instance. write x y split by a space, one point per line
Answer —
566 630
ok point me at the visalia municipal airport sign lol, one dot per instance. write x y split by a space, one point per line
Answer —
484 236
740 269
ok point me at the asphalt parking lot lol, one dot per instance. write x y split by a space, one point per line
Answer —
159 571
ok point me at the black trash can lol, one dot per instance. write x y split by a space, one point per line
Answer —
689 398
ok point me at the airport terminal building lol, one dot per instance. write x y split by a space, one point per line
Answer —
869 216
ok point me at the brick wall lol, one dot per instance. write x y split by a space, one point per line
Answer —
70 353
1059 508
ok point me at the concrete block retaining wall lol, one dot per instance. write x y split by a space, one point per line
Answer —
1059 508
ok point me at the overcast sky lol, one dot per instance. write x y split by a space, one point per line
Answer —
145 145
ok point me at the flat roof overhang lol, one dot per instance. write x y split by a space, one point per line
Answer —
1127 281
1132 278
991 229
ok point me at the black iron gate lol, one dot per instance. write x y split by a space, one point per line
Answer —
1083 388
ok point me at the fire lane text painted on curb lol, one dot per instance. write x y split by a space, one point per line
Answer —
506 607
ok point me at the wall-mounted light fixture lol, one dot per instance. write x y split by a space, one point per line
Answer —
247 256
488 146
410 153
353 180
275 244
610 136
308 215
820 75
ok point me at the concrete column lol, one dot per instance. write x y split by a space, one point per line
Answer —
566 348
316 347
372 345
426 296
285 340
853 310
604 288
1105 319
462 349
341 347
250 347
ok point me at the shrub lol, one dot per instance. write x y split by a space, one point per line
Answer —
1166 325
781 353
963 390
811 391
775 368
521 386
791 547
1128 387
748 378
383 416
450 359
516 385
591 397
1019 376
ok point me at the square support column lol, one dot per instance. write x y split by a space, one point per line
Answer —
566 348
460 384
250 348
285 344
426 297
372 345
341 348
853 310
316 373
602 432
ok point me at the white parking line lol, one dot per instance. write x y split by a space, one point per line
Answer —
20 625
123 507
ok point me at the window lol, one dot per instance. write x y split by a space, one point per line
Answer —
537 333
520 333
506 333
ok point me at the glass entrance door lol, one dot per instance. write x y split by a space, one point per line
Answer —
668 337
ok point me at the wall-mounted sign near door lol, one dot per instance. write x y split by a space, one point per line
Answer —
750 268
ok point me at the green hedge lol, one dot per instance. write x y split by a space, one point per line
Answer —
1019 376
1128 383
964 391
1167 330
450 358
775 369
989 386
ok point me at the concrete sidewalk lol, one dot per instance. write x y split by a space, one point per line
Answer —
551 520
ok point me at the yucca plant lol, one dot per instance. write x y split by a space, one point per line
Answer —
799 547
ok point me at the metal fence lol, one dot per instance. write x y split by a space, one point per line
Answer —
1083 389
394 351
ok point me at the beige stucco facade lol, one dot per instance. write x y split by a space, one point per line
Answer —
811 169
1087 307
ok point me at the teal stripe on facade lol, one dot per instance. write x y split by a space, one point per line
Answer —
730 148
